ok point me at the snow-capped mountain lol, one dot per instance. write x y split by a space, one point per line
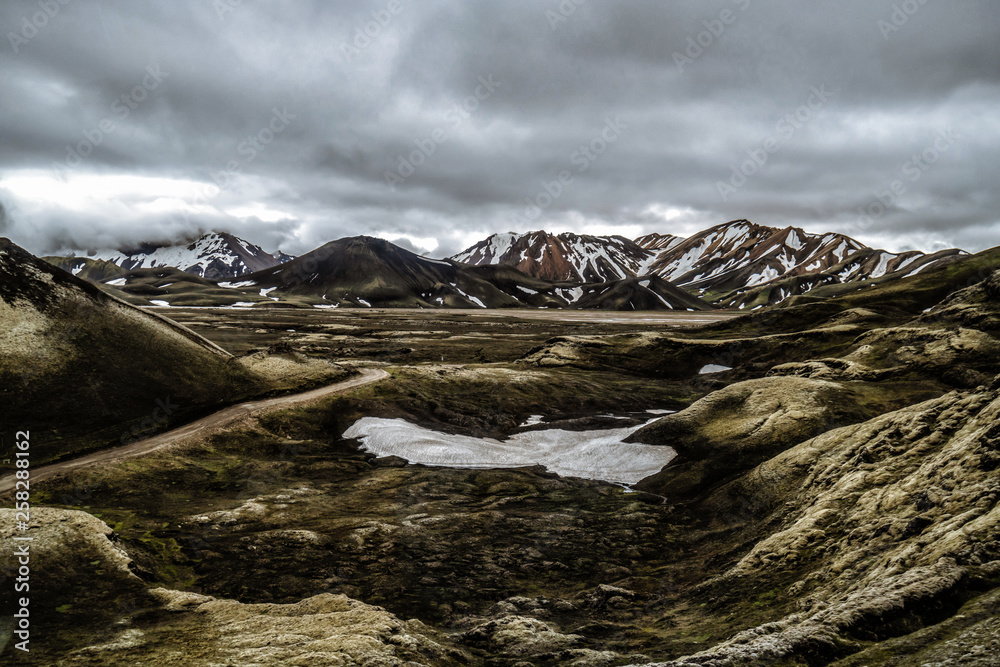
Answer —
566 256
729 264
216 256
742 254
740 264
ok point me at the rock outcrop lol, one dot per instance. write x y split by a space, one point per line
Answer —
883 527
733 429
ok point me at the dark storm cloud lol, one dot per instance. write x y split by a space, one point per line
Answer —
840 101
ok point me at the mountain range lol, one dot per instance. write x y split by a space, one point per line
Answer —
737 264
367 272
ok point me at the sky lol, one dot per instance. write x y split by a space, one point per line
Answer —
436 123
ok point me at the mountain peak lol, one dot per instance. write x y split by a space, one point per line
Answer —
216 255
564 256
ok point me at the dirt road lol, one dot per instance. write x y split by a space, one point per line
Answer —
198 428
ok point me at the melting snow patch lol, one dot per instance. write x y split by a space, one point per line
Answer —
713 368
157 302
245 283
364 303
597 455
658 411
572 295
533 420
243 304
117 282
326 305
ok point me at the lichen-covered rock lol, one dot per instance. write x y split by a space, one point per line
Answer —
738 427
880 522
959 356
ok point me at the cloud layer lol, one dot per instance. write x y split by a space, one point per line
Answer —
441 122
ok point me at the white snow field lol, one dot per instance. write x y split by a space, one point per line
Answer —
599 455
713 368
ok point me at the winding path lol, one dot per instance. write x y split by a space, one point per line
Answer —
200 428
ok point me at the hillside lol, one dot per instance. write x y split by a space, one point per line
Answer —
87 370
365 271
641 293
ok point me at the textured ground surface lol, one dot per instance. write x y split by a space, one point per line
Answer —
834 501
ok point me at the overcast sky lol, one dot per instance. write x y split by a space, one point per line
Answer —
440 122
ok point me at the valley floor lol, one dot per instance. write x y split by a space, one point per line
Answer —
835 502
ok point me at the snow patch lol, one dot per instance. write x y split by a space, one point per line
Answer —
713 368
599 454
883 264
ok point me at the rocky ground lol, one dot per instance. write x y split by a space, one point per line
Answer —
833 502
